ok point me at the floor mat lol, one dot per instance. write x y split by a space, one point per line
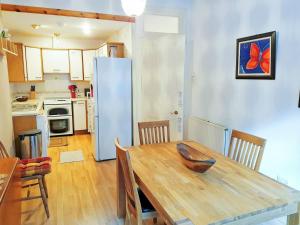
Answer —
71 156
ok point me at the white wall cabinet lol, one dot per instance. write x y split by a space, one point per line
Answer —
79 115
76 67
88 63
55 61
33 64
102 51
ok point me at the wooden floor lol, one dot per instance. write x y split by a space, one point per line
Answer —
80 193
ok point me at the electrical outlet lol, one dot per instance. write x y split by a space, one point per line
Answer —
282 179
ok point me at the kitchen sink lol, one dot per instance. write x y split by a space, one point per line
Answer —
24 107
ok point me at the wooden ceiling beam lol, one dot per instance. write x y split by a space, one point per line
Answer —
63 12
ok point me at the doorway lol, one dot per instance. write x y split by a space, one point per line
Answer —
162 70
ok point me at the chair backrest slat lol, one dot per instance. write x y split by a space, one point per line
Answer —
159 140
154 132
246 149
132 197
3 152
243 152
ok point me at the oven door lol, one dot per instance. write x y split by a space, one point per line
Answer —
60 126
58 110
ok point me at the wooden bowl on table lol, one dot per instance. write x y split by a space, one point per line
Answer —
194 159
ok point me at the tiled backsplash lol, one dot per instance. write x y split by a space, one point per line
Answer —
54 85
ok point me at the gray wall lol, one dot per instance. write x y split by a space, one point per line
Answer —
264 108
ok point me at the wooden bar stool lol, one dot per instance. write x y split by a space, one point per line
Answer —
33 170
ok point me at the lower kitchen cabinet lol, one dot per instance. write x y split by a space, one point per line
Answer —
79 115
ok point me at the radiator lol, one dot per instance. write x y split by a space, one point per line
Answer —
212 135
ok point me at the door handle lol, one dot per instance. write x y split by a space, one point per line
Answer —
175 112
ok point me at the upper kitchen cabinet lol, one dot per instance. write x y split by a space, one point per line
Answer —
76 67
88 63
33 64
55 61
111 49
102 51
15 65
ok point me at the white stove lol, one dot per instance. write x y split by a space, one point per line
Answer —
60 116
57 101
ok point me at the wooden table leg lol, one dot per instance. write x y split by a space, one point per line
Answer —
121 201
294 219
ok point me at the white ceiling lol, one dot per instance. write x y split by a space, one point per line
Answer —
68 27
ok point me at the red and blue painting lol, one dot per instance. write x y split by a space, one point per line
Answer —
256 56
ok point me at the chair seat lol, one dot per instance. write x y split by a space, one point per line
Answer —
145 203
36 166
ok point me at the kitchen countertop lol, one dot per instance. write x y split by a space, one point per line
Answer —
31 107
79 99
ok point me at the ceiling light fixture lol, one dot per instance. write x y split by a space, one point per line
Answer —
35 26
86 29
133 7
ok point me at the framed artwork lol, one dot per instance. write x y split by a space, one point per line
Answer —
256 56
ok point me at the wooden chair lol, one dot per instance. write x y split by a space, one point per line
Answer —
137 203
3 152
246 149
33 170
154 132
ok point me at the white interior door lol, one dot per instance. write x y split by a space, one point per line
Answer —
162 77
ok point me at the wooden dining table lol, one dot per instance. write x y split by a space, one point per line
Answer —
228 193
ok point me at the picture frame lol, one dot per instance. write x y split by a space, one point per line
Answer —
256 56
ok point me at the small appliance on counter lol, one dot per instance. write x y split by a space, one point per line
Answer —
72 89
87 92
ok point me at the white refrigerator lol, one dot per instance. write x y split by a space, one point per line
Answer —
112 106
